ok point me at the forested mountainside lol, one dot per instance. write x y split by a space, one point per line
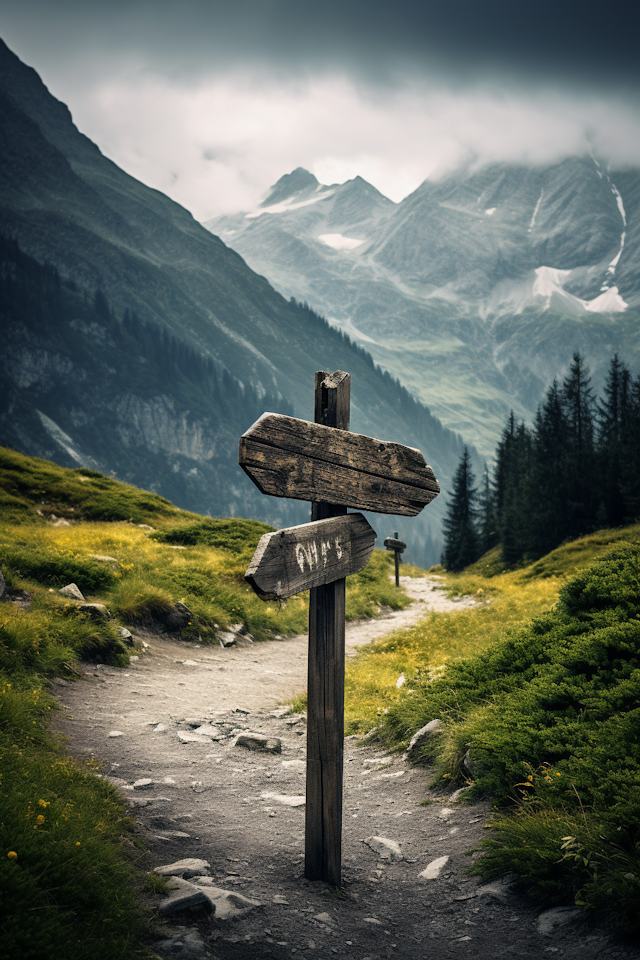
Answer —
122 250
476 289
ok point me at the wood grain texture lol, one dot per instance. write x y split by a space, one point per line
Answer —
310 555
325 696
287 457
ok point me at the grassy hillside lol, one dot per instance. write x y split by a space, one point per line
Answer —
537 689
67 854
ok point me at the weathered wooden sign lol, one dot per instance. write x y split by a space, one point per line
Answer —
310 555
324 463
286 457
398 547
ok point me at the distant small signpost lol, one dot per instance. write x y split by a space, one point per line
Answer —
334 469
398 547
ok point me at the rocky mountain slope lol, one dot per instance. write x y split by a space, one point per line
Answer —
146 346
475 289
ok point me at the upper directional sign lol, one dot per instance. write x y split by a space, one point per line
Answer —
298 558
286 457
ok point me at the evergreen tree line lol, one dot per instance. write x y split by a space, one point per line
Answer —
575 470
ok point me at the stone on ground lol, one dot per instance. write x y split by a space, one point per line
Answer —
189 867
185 736
227 904
187 946
500 888
184 896
258 741
325 918
431 729
550 920
434 869
73 591
285 799
144 783
96 610
226 639
386 849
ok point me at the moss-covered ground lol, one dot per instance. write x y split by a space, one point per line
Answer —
538 691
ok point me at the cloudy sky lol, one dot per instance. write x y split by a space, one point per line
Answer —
212 101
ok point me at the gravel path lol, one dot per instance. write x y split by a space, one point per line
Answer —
203 797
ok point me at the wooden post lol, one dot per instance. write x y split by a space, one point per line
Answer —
397 557
325 706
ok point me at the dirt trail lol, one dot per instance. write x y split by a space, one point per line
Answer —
209 799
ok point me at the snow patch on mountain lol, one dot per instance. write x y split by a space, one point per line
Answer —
285 205
338 242
535 212
348 326
608 302
550 282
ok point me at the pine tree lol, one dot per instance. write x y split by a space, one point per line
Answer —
612 418
512 469
461 537
547 484
487 515
578 406
630 458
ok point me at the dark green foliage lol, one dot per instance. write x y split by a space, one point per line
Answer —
576 471
69 890
461 538
56 568
232 534
487 515
513 458
551 716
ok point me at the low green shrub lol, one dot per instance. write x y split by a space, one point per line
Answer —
56 568
549 716
236 535
66 884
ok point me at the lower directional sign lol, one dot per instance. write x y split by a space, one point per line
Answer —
298 558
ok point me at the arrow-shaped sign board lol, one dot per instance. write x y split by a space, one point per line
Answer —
287 457
310 555
392 544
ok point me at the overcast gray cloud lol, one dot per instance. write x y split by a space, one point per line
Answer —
577 41
213 101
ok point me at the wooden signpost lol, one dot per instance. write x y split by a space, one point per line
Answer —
324 463
398 547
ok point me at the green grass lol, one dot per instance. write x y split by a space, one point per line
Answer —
539 689
68 878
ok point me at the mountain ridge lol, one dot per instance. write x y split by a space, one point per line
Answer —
441 286
122 250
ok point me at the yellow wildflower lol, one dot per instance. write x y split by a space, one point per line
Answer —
40 820
12 855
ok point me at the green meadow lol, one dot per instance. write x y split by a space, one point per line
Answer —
68 850
538 691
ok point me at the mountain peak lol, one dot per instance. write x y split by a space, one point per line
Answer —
289 185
